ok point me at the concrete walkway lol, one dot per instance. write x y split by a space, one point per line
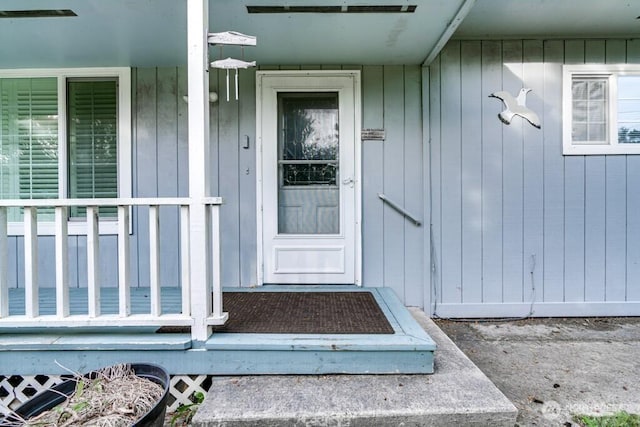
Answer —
457 394
554 368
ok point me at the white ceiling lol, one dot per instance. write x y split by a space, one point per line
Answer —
153 32
552 19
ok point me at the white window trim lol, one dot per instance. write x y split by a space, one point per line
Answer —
595 70
123 74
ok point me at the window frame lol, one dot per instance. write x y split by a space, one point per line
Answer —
123 76
611 72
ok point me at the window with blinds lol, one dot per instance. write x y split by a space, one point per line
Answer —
92 137
35 155
28 141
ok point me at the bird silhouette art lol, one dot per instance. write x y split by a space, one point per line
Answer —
516 107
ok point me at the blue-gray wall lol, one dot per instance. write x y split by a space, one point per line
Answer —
504 196
392 247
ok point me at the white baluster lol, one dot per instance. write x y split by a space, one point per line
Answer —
124 294
93 261
154 259
185 260
4 275
62 262
31 262
215 261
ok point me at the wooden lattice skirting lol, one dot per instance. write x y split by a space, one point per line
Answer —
16 389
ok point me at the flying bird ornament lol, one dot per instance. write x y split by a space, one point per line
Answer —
516 107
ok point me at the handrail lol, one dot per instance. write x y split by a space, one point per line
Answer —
141 201
400 210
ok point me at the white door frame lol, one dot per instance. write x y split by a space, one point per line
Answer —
355 76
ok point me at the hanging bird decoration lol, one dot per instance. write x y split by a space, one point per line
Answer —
516 107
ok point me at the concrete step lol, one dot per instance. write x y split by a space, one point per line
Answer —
458 393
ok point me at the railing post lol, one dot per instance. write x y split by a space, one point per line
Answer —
31 302
185 259
93 261
124 294
62 262
4 275
154 259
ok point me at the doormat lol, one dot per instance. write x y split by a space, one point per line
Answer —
304 313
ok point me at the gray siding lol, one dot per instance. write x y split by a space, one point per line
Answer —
392 247
515 221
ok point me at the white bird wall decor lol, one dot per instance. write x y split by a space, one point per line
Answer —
516 107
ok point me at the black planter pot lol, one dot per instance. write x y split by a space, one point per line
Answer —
50 398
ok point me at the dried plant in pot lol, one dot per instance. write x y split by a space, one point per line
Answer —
120 395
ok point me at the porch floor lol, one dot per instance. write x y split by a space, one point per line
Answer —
403 348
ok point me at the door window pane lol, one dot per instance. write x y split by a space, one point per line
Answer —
308 163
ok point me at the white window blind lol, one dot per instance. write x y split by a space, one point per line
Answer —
93 135
28 141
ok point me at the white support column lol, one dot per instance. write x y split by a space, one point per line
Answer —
62 262
93 261
4 275
154 259
199 186
31 262
185 259
124 293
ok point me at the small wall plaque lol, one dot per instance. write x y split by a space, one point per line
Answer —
372 135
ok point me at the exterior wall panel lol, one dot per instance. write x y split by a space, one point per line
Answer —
558 231
393 247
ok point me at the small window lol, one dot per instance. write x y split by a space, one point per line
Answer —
601 109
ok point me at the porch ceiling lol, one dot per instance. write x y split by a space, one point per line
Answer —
153 33
551 19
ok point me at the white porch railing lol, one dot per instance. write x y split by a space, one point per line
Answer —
194 290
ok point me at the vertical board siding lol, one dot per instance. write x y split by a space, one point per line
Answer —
451 173
492 180
372 177
512 179
633 202
471 164
533 174
413 189
247 168
393 248
514 220
393 179
553 167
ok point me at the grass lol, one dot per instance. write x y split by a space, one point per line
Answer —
184 413
620 419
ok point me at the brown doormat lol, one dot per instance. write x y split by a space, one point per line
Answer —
304 313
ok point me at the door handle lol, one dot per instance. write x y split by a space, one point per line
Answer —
348 181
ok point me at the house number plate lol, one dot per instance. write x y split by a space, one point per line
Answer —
372 135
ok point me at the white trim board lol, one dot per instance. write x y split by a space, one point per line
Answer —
542 309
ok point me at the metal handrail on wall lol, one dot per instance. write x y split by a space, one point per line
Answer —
400 210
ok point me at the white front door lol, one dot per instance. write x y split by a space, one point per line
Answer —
308 176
